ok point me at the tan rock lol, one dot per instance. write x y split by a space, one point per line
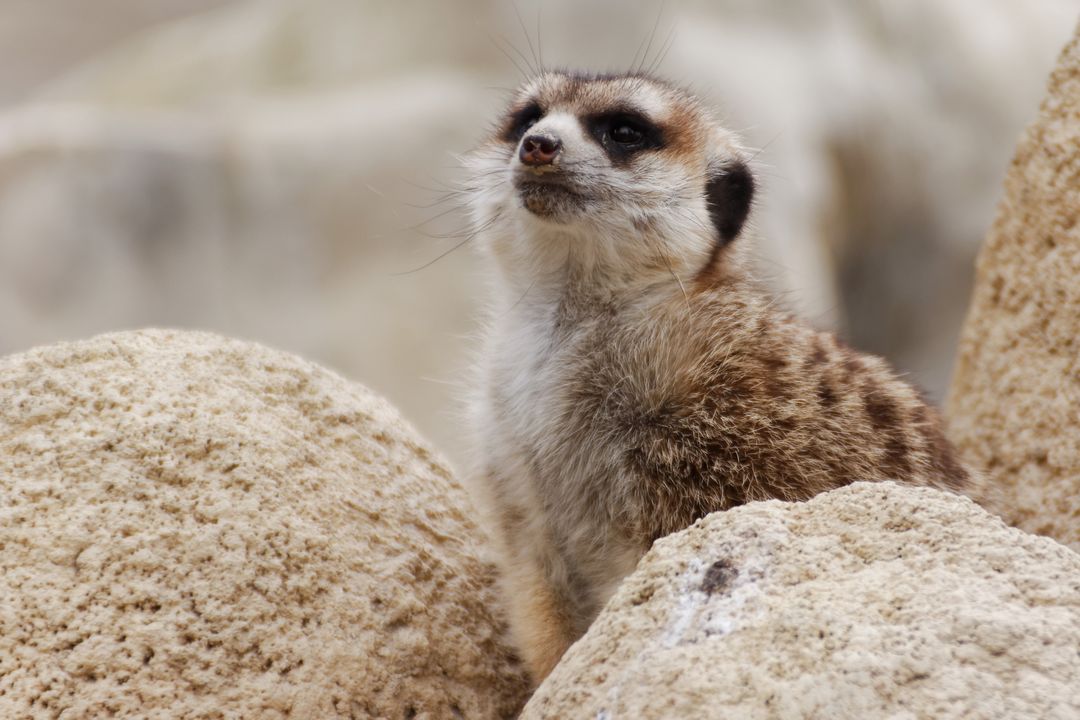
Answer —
872 601
196 527
1013 406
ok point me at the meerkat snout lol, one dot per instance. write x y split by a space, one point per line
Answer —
538 150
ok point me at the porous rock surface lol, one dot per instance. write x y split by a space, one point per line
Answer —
195 527
1014 405
872 601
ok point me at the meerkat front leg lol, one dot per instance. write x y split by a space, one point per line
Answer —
539 613
532 574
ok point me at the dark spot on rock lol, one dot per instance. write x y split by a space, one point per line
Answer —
718 577
643 595
997 285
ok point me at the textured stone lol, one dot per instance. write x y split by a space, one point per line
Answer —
195 527
871 601
1013 405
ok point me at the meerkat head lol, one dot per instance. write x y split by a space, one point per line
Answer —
622 174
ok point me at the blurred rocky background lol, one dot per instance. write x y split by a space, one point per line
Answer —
281 170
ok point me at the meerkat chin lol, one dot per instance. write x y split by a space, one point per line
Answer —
633 378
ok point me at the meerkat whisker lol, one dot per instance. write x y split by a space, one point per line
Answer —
652 36
536 65
525 74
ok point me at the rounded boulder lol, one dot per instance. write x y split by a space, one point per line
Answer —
871 601
197 527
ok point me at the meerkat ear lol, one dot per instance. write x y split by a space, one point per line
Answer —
729 192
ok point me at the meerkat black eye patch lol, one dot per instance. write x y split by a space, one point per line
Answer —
623 133
729 192
521 120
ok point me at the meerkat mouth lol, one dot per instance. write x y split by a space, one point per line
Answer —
548 196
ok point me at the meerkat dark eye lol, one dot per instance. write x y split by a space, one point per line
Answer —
626 134
521 120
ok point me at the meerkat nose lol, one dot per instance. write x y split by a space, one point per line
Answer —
539 150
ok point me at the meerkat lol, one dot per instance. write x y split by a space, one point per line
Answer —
633 377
